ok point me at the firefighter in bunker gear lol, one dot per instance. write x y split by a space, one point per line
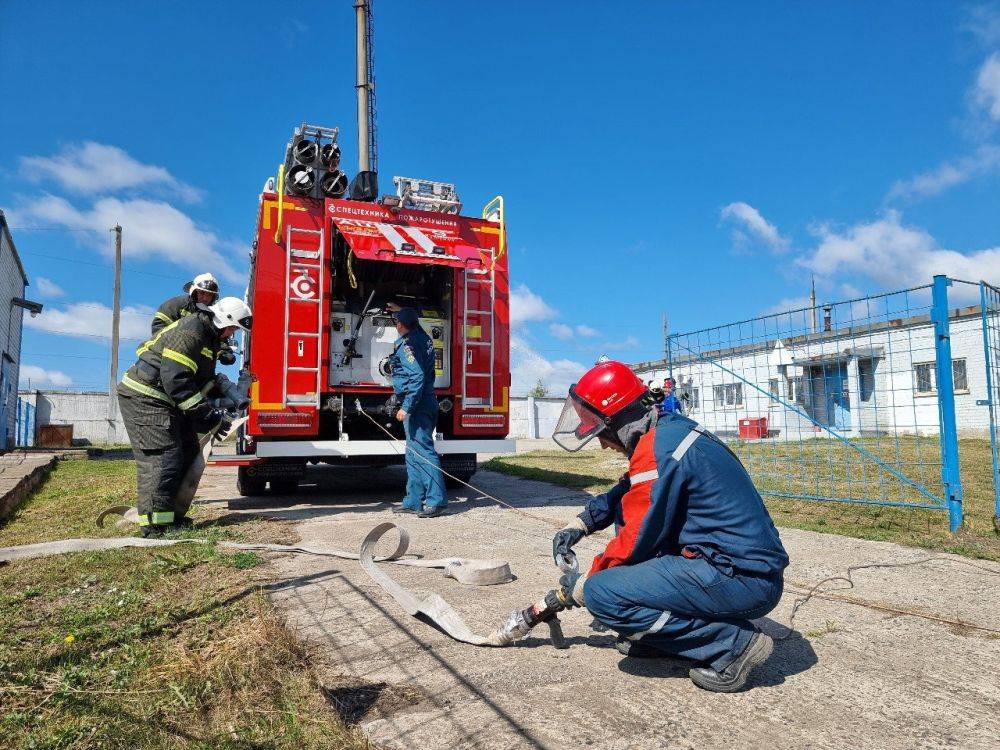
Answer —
696 555
164 403
412 366
199 294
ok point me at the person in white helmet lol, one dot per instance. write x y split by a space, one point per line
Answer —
199 293
164 401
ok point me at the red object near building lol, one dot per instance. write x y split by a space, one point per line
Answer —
753 428
324 272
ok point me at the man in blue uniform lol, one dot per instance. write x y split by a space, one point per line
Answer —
696 556
412 363
670 402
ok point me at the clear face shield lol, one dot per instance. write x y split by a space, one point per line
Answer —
578 424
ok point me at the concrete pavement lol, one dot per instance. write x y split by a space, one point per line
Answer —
847 676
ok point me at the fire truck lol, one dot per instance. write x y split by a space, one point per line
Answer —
330 257
324 271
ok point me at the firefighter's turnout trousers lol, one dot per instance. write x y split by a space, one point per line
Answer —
165 444
164 404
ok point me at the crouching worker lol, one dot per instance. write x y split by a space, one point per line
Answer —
696 555
164 403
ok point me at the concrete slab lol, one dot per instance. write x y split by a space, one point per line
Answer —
20 473
847 676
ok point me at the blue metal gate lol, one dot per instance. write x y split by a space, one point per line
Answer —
990 307
850 401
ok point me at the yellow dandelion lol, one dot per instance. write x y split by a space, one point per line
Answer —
70 638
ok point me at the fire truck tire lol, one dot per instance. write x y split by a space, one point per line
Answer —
284 486
460 465
247 484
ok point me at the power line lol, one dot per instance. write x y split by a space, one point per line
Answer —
97 265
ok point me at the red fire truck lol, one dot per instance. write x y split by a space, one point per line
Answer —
324 271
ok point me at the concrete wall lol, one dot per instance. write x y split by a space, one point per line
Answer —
534 418
530 418
87 411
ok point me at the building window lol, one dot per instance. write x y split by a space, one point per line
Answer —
690 397
729 395
926 381
866 376
772 387
795 394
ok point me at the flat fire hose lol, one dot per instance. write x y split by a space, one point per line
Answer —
466 571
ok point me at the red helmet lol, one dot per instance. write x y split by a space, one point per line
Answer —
604 390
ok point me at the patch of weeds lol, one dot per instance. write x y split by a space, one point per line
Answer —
826 628
243 559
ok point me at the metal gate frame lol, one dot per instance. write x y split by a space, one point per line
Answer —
951 496
989 297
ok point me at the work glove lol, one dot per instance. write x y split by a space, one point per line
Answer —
563 541
227 357
571 588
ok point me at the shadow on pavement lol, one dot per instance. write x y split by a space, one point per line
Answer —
793 654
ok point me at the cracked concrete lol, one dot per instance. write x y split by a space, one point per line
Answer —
847 676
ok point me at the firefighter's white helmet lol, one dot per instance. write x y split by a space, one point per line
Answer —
231 311
204 282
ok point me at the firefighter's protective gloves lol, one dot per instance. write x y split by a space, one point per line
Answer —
227 357
565 539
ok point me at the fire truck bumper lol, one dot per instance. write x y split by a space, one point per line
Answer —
349 448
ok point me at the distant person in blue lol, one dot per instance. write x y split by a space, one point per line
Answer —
670 402
412 363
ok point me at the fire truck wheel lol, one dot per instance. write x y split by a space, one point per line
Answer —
284 486
249 485
452 484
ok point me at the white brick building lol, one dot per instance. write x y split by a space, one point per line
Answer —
870 379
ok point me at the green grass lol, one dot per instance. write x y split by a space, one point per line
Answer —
827 468
169 648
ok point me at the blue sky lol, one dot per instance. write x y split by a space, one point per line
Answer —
698 160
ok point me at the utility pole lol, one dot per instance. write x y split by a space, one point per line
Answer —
812 305
115 320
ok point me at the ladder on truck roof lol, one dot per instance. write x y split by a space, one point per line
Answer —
304 291
473 320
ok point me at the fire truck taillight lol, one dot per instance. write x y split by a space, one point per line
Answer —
282 420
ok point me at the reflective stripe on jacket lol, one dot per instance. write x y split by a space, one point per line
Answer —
686 490
178 364
171 311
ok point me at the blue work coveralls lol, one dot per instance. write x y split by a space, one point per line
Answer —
412 363
670 404
696 555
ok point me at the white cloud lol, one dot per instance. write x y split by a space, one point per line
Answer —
629 342
587 331
753 227
561 331
529 366
787 304
92 319
151 228
33 376
96 168
985 160
894 255
526 307
48 288
986 92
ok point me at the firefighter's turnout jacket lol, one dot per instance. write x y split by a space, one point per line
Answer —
171 311
177 365
164 403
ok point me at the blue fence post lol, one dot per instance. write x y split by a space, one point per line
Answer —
950 475
990 401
